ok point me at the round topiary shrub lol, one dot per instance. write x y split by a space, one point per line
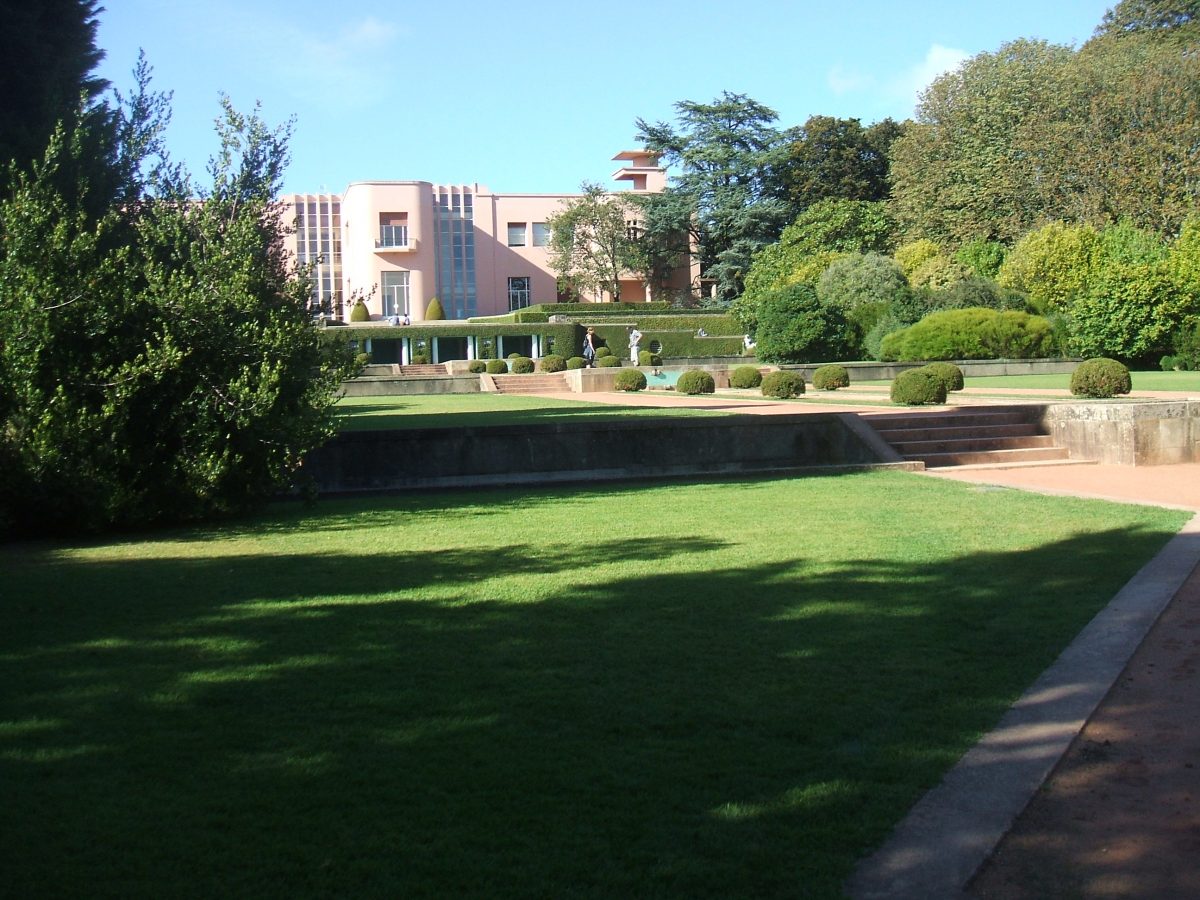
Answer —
497 367
745 377
1100 377
476 366
576 362
552 362
523 365
695 381
602 352
649 358
918 387
630 380
782 385
949 373
830 378
516 354
359 312
607 362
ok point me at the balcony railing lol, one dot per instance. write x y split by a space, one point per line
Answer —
392 236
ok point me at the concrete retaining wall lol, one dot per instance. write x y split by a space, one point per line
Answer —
980 368
406 385
1146 433
593 451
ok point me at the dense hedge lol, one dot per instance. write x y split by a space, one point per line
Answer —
630 380
950 374
695 381
782 385
918 387
976 333
1100 377
745 377
565 340
831 377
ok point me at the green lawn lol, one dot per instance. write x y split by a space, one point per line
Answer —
690 690
462 410
1142 381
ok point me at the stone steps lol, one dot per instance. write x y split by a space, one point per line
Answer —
553 383
968 437
423 369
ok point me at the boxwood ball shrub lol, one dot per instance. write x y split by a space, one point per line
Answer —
1100 377
359 312
695 381
516 354
576 362
497 367
830 378
745 377
607 362
949 373
918 387
602 352
552 362
523 365
630 380
476 366
649 358
782 385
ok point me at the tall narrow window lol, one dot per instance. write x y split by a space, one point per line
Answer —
394 286
518 292
516 234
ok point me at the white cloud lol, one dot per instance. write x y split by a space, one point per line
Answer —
907 86
846 81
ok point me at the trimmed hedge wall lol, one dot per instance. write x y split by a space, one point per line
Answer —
568 339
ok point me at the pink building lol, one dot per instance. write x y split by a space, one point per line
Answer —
398 244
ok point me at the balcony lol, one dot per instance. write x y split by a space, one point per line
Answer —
394 239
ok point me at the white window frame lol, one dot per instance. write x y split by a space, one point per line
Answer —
395 287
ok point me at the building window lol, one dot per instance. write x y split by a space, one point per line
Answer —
516 234
393 230
541 234
518 292
395 293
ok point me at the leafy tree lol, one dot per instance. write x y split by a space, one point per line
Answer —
914 254
831 158
984 258
728 193
1126 310
590 241
157 359
794 326
47 55
861 278
1132 16
1051 264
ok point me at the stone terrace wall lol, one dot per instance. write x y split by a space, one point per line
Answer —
1146 433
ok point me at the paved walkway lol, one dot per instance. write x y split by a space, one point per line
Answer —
1090 785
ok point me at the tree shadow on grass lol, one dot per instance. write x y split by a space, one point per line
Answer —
378 725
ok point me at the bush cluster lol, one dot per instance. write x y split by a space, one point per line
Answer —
602 352
782 385
606 362
630 380
695 381
830 378
497 367
552 362
476 366
1100 377
745 377
918 387
576 362
950 374
975 333
647 358
523 365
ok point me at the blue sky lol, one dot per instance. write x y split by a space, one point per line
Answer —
537 96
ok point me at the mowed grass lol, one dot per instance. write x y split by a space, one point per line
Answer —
463 410
691 690
1142 381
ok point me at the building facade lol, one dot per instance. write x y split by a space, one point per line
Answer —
398 244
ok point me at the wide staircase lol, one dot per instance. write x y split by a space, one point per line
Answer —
537 383
982 436
423 369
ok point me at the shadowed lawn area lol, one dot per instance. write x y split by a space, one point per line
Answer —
1142 381
462 410
694 690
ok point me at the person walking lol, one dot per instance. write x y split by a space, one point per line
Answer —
589 348
635 338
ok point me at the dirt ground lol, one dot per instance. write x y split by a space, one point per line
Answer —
1120 816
